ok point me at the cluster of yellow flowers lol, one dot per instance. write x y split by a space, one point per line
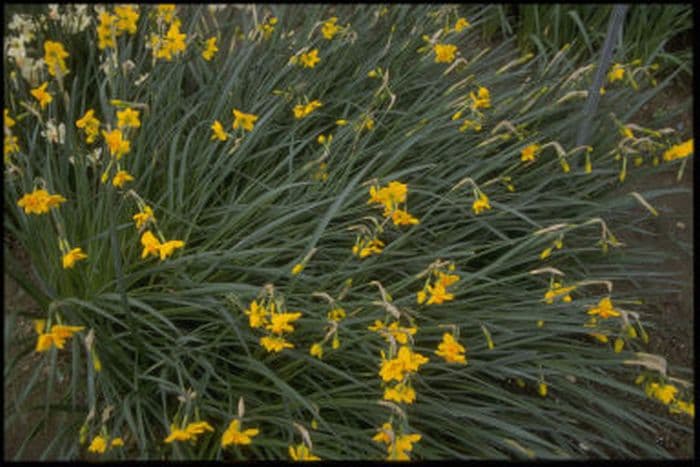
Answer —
306 59
54 56
304 110
391 197
557 290
114 25
166 44
241 120
267 27
99 444
210 48
667 394
398 444
271 315
436 293
11 145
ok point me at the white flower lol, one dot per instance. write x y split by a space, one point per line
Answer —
54 134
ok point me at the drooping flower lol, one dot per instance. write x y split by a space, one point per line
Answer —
401 393
556 290
529 152
143 217
90 124
451 350
275 344
310 59
679 151
604 309
166 249
444 53
121 177
401 217
189 433
257 315
280 322
401 446
41 95
480 100
616 73
56 337
69 259
39 202
481 204
461 23
99 444
54 55
151 244
210 49
219 132
330 28
301 452
128 118
234 435
243 120
118 146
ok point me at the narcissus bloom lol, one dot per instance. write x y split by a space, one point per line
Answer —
54 55
234 435
330 28
166 249
401 393
444 53
99 444
127 16
297 269
275 344
41 95
257 315
401 446
367 246
303 110
128 118
301 452
401 217
385 434
666 393
438 294
39 202
310 59
679 151
69 259
210 49
481 99
280 322
10 145
117 145
451 350
107 31
56 337
529 152
481 204
219 132
166 12
121 178
151 244
9 121
557 290
316 350
243 120
142 217
617 73
90 124
604 309
189 433
461 23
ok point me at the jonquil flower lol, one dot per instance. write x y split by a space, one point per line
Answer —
444 53
302 110
41 95
128 118
121 178
56 337
401 393
90 124
219 132
99 444
280 322
604 309
481 204
330 28
297 269
234 435
309 59
54 55
451 350
679 151
116 143
617 73
529 152
243 120
143 217
275 344
302 453
482 98
189 433
210 49
461 23
69 259
39 202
